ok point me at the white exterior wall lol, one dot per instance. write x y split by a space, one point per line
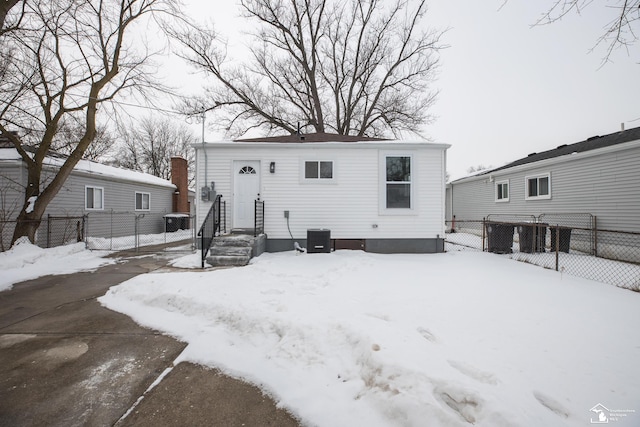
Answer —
349 205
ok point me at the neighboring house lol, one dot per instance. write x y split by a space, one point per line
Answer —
378 195
111 198
599 176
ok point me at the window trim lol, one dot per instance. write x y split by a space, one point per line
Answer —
537 177
94 187
318 180
135 201
499 183
383 209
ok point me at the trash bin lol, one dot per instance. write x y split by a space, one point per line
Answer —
318 241
528 243
499 238
184 222
565 239
175 222
171 224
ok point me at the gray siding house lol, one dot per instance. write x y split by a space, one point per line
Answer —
111 198
598 176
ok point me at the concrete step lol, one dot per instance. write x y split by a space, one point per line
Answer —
233 240
228 260
231 250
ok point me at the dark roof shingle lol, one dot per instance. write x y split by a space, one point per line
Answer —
312 137
593 143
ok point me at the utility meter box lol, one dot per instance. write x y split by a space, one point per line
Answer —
208 194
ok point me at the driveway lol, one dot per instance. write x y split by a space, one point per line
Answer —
67 361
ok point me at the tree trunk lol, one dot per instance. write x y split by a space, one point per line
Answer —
27 224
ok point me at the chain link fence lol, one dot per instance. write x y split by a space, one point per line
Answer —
53 231
116 231
109 231
569 243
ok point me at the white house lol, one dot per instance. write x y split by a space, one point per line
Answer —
379 195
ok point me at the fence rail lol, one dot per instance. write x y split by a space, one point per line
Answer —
568 243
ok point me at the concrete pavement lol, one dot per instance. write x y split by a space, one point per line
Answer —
67 361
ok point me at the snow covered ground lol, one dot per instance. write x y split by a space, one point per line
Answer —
25 261
623 274
353 338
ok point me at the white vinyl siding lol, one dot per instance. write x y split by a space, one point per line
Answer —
538 187
143 201
94 198
352 207
502 191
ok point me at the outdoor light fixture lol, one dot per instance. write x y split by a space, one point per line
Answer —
272 167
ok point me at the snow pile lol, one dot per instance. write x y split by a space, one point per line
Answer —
189 261
352 338
25 261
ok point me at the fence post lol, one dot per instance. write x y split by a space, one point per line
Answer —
595 236
135 230
48 230
483 228
111 229
557 247
85 230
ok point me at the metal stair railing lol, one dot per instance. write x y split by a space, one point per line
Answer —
210 226
258 215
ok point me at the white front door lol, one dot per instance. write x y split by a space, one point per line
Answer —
246 189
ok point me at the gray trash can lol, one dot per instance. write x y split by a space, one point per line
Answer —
499 237
175 222
530 243
565 239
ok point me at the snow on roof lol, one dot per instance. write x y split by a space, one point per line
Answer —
94 168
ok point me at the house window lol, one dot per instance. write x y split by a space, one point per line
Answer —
538 187
94 198
318 169
502 191
247 170
143 201
398 182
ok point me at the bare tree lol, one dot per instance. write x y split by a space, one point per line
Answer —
620 29
5 7
358 67
69 59
101 148
149 147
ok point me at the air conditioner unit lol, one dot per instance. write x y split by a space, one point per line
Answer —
318 241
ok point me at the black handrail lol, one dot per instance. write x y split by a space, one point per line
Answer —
258 215
210 226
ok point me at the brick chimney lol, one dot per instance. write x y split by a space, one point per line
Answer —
179 170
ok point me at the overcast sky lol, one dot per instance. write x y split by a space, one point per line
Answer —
507 89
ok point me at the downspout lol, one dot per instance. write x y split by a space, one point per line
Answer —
204 150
